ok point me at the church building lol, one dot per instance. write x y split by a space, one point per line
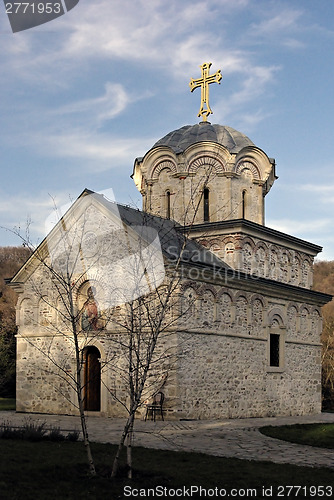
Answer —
245 338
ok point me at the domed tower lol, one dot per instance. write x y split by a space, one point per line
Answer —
213 179
205 173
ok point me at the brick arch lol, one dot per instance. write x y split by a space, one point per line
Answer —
228 239
215 241
243 164
206 160
248 240
165 164
263 245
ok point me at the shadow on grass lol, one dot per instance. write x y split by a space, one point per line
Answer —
58 470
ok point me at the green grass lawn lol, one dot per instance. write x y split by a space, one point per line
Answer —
321 435
7 404
46 470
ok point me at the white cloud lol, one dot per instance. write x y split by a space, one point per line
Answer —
106 151
26 213
98 109
285 21
325 190
299 228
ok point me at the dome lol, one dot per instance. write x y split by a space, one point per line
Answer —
179 140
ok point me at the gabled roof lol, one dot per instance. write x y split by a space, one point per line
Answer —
174 242
173 239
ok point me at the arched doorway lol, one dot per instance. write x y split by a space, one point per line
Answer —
92 379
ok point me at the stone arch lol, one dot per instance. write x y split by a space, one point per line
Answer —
229 250
316 321
189 303
292 318
163 165
295 269
260 259
225 301
248 165
247 253
276 318
305 273
207 313
241 311
214 245
27 313
207 287
284 266
304 320
206 161
190 284
273 262
257 310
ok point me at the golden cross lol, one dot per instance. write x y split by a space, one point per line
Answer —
204 82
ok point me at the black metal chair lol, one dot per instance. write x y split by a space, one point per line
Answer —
155 406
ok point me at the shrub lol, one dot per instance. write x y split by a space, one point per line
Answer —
32 431
73 436
55 434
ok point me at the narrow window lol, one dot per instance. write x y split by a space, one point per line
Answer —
243 205
274 348
206 205
168 204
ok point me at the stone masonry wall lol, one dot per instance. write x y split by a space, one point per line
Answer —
224 368
263 259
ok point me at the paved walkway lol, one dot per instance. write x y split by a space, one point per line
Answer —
238 438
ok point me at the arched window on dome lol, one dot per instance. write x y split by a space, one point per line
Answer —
206 205
168 204
244 207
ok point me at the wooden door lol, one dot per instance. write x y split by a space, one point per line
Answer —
92 387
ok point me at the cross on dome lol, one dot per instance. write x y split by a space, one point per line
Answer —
204 82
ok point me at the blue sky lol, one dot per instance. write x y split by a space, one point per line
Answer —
87 93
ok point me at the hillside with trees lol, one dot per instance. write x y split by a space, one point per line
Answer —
11 259
324 282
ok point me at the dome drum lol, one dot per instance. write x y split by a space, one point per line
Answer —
210 165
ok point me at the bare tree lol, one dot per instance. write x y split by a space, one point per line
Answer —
149 321
133 263
68 258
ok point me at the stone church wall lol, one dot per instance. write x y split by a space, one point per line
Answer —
262 258
224 364
220 358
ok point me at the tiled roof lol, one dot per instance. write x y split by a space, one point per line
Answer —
179 140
